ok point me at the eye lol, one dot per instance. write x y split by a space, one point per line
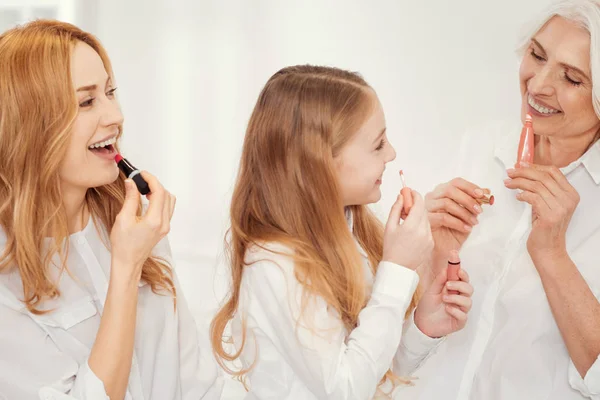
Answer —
381 144
111 92
87 103
572 81
536 56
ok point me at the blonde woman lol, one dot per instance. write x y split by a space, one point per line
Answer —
90 307
319 288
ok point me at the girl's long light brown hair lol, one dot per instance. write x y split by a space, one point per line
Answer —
37 109
287 192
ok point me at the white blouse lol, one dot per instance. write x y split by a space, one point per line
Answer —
511 347
45 356
315 357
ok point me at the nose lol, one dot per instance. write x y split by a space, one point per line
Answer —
111 113
391 156
541 83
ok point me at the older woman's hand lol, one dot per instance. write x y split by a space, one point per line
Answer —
553 200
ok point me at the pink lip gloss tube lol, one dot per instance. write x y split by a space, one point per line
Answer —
453 268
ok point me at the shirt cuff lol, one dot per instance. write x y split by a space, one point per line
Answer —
395 280
588 386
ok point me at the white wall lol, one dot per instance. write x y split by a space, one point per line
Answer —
189 74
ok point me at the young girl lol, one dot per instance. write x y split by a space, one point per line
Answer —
90 307
320 289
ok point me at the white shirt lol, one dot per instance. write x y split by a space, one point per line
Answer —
317 358
45 356
511 348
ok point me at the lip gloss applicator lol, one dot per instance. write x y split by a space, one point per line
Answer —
132 173
406 194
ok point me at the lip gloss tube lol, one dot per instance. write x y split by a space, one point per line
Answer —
453 268
527 143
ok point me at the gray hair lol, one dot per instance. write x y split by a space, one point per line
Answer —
585 13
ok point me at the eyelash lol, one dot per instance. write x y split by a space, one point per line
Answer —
381 144
540 58
89 102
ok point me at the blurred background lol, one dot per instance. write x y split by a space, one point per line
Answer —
189 73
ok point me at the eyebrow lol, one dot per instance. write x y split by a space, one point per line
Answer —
567 66
90 88
380 135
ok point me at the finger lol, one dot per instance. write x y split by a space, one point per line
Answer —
450 206
395 213
462 197
535 187
533 179
156 199
462 302
444 219
457 313
465 186
464 288
554 172
540 207
417 214
132 199
463 275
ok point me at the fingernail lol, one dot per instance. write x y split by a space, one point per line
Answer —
474 221
510 171
450 285
468 228
478 208
478 192
507 181
446 298
524 164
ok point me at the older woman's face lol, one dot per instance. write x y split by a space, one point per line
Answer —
556 85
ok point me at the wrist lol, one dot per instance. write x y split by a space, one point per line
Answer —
552 256
125 275
418 320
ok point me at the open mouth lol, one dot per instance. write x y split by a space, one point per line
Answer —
105 148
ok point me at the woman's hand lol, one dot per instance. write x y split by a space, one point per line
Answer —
553 201
440 313
133 238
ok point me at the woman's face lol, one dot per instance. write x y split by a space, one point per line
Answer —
556 85
87 164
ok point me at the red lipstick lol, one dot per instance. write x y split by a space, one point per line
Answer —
132 173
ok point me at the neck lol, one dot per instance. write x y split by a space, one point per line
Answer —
75 208
562 151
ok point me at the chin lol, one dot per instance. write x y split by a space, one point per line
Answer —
106 179
374 197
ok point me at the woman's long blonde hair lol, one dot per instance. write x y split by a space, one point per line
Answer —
37 109
287 192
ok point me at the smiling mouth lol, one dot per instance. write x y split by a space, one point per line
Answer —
542 109
104 148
